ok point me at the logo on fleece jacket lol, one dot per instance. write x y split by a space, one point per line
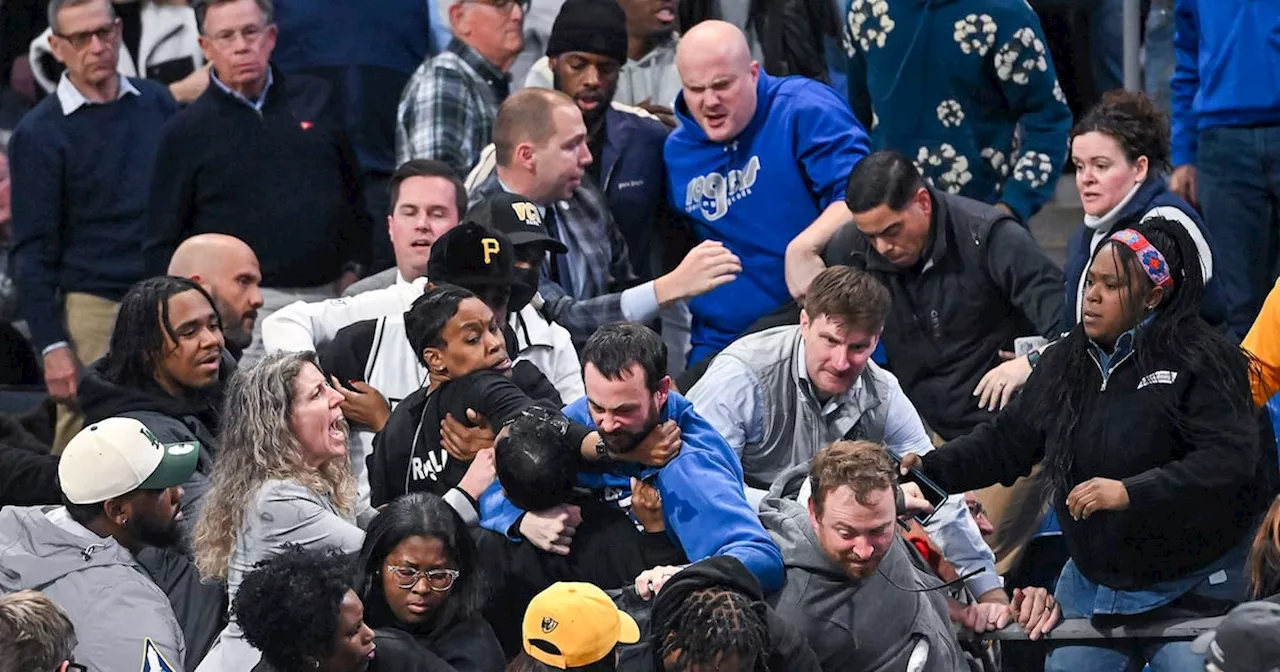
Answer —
713 193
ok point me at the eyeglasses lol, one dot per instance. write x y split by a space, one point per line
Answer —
82 39
227 38
503 5
439 580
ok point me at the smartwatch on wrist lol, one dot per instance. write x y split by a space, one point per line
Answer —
602 451
1033 358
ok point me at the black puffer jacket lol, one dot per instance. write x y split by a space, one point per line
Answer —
791 32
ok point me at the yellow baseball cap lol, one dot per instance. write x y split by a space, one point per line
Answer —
574 625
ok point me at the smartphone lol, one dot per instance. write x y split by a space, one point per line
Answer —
932 493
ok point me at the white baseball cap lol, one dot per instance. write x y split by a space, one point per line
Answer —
119 455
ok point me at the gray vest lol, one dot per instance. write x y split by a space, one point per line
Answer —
794 428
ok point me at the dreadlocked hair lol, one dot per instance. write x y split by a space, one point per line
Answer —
712 624
1175 331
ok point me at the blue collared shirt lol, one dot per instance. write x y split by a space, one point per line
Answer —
70 98
255 104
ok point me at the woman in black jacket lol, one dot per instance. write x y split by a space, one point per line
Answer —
1144 420
419 573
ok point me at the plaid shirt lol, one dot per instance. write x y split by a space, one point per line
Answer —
598 263
447 110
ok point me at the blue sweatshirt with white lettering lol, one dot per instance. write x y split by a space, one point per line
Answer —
703 503
758 191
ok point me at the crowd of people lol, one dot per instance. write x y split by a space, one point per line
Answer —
701 335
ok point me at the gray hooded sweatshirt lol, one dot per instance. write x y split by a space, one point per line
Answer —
123 621
867 625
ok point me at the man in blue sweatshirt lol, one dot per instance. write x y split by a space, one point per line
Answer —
81 163
704 507
1226 140
755 161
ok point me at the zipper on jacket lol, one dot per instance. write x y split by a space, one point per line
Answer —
1106 376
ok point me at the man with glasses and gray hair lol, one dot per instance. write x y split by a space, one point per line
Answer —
81 161
448 109
262 158
35 636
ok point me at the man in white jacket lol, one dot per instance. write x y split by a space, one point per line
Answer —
123 490
309 326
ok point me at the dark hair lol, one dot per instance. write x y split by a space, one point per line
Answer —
535 467
615 347
1175 337
83 514
421 515
525 117
527 663
711 624
1130 117
288 605
426 168
137 346
201 8
429 314
883 178
850 296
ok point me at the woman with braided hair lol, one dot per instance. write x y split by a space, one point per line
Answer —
1144 420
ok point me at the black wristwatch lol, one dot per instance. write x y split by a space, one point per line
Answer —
602 451
1033 358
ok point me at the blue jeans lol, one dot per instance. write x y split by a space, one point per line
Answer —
1132 655
1238 174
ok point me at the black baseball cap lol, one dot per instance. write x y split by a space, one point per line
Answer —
1247 640
517 217
470 255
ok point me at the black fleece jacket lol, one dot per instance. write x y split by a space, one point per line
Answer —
1190 499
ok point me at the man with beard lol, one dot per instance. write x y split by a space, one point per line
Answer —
122 492
864 599
165 368
540 152
228 269
704 508
585 60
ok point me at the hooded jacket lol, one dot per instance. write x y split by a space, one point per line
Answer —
868 625
121 618
170 418
787 649
756 192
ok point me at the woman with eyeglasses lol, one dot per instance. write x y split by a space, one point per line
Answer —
419 573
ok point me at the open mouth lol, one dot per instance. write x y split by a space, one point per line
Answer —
373 648
422 243
212 362
503 364
337 430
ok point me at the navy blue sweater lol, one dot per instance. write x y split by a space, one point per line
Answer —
283 180
80 201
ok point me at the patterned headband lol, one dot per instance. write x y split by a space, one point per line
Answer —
1148 256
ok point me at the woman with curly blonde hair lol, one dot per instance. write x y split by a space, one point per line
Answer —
1264 556
282 477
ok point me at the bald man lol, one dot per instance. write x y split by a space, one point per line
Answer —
228 269
755 162
540 152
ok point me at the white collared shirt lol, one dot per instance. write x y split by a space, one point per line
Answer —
255 104
70 98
